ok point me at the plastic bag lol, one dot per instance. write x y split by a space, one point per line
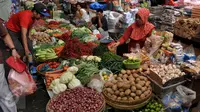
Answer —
96 84
113 18
21 83
189 50
96 6
108 72
187 95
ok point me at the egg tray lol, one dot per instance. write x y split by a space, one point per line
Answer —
131 103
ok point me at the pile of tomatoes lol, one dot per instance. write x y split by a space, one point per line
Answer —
53 64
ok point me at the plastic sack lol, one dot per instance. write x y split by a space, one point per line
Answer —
96 84
21 83
96 6
189 50
112 19
187 95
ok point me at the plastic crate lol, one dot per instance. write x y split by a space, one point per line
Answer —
159 90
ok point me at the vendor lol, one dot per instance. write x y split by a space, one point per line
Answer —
100 20
19 24
137 32
83 13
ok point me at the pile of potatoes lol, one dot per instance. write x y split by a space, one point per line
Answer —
128 86
42 38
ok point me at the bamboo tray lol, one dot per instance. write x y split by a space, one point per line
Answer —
102 109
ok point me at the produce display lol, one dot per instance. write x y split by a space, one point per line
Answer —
81 32
187 27
41 37
45 54
152 106
112 62
166 72
128 86
79 99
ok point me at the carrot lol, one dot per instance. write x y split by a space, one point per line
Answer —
56 71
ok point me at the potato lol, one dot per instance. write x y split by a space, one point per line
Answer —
114 87
121 94
128 72
148 83
120 75
108 84
114 97
120 84
141 77
144 89
133 89
132 83
137 80
124 98
127 92
135 75
133 95
121 90
117 92
125 76
123 71
133 71
119 98
125 80
137 98
142 83
146 93
130 99
115 76
138 86
110 90
126 86
119 79
114 81
142 96
138 92
109 94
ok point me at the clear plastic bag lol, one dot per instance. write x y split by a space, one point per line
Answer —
104 70
21 83
96 84
187 95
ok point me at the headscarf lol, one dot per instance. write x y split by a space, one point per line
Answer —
139 32
5 9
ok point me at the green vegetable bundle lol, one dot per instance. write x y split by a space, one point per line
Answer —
100 50
112 62
80 32
86 71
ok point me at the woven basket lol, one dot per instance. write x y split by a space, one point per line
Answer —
127 105
102 109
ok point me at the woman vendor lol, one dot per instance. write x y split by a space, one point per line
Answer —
137 32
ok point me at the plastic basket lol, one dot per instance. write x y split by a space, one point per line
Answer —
132 65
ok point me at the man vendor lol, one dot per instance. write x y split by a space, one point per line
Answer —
100 20
19 24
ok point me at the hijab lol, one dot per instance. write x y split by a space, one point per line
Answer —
140 32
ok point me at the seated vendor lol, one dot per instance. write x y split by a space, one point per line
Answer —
137 32
100 21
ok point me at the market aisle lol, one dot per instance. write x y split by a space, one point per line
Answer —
36 102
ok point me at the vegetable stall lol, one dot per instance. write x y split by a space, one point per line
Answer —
81 73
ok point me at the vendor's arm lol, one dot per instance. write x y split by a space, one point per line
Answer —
126 35
24 39
8 41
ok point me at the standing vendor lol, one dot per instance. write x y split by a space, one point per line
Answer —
137 32
100 21
7 103
19 24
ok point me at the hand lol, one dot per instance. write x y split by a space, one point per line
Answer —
27 52
15 54
113 47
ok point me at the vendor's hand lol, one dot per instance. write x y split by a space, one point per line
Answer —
27 52
15 54
113 47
